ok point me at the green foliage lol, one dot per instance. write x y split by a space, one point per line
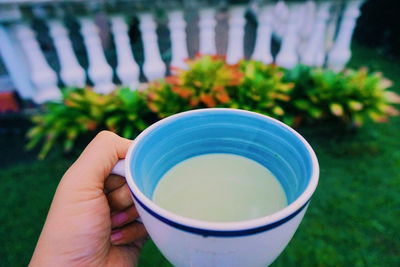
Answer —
262 90
83 111
163 101
203 85
128 114
292 96
350 96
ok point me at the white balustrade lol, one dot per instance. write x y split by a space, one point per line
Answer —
306 26
43 77
153 66
127 69
340 53
99 70
177 27
235 51
15 62
281 15
71 72
306 30
314 55
262 48
287 56
207 25
332 25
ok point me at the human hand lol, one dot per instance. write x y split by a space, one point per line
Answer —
91 221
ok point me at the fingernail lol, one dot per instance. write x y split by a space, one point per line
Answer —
116 236
119 218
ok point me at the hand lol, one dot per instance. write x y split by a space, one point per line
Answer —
91 221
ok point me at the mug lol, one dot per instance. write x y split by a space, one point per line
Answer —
190 242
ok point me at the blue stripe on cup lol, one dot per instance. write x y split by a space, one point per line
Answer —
218 233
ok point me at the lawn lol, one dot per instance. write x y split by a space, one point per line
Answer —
353 219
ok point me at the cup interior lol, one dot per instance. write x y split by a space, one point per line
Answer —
260 138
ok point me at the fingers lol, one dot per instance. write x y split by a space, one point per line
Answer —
120 198
113 182
124 217
128 234
130 252
97 160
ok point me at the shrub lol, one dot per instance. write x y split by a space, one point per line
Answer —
128 113
302 93
262 90
350 96
163 101
83 111
203 85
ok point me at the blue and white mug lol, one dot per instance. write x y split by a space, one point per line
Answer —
191 242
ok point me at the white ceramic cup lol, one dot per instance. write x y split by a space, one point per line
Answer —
189 242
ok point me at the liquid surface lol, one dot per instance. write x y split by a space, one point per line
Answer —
220 188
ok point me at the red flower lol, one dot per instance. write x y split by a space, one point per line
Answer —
223 97
218 57
182 92
173 80
194 102
208 100
91 125
173 68
218 88
152 96
236 77
153 107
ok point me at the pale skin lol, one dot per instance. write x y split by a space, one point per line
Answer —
91 221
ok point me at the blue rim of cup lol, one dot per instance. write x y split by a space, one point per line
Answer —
229 229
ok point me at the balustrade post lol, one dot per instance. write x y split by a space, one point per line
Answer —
287 56
235 51
71 72
153 67
127 69
280 15
306 26
262 48
43 77
99 70
15 62
341 53
207 25
314 55
177 27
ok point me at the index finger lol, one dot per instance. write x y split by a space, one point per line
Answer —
113 182
97 160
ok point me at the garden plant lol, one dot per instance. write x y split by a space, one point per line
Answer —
300 95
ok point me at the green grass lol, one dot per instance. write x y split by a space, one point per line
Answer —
353 219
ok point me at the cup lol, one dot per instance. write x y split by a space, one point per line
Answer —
190 242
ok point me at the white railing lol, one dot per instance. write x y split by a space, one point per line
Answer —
315 33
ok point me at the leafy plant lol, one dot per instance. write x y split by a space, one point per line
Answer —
128 113
80 113
84 111
163 101
350 96
262 90
302 93
203 85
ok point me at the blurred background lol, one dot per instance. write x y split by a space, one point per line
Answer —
47 47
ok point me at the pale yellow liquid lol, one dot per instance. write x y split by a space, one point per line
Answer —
220 188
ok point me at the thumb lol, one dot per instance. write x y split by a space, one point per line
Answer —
97 160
